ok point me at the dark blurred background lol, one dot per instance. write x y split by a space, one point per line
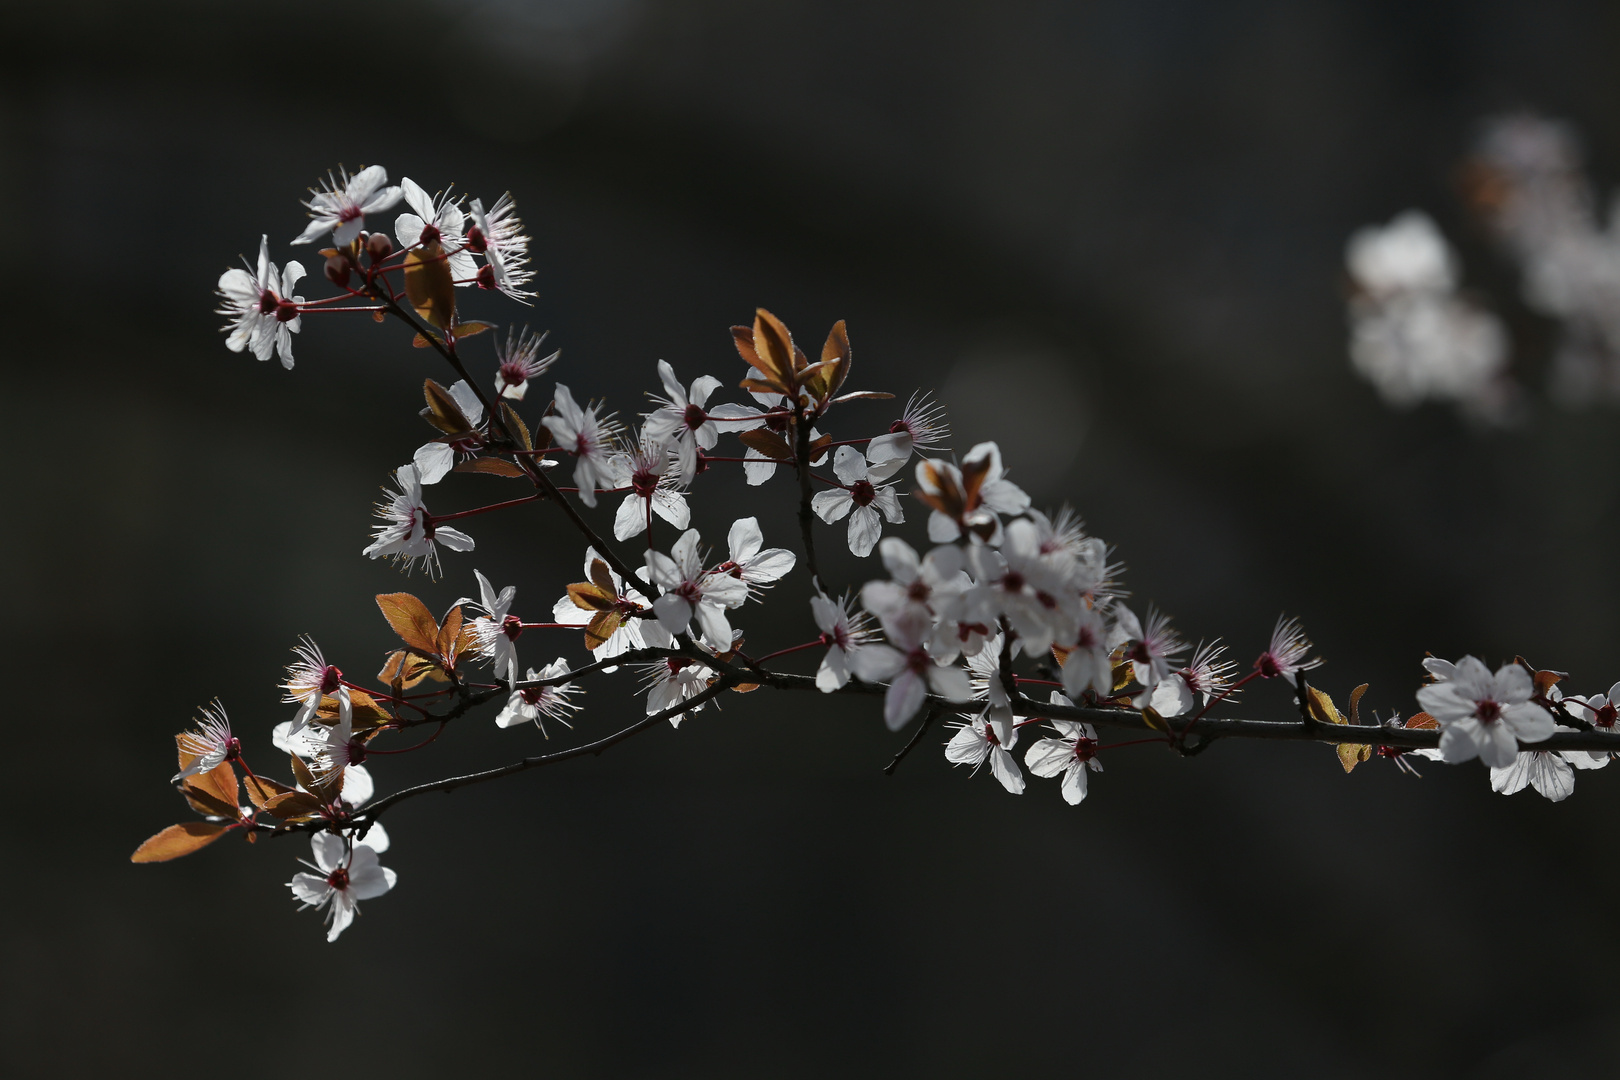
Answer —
1109 233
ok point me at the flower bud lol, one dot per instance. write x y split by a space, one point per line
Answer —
379 247
486 277
337 270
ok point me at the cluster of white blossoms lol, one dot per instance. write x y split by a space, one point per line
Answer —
1416 337
1003 598
1412 334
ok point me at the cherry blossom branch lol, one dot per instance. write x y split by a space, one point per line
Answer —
535 474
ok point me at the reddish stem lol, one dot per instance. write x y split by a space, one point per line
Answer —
436 518
794 649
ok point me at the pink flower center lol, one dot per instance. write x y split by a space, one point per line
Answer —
1488 712
1606 716
1012 581
267 302
694 417
917 662
1085 749
862 492
990 735
329 679
514 373
919 592
339 879
430 234
1267 666
644 483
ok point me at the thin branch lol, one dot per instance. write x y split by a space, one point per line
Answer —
807 516
375 810
928 718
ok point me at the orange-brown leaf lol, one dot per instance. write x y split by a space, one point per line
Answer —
1355 703
216 788
291 805
324 787
519 430
602 626
492 466
261 790
1353 754
449 634
588 596
602 577
773 346
178 840
411 620
743 338
837 350
471 328
1422 720
428 284
442 411
768 443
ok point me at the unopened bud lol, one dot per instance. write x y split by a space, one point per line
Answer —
486 277
337 270
378 246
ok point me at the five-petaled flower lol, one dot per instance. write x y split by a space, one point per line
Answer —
1485 715
984 738
498 235
408 534
844 632
263 313
911 672
436 219
344 875
591 439
690 591
341 204
862 495
1070 755
534 702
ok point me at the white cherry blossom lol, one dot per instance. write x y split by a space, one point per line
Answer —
341 204
983 739
681 420
1546 771
260 307
1485 715
757 565
498 235
921 427
211 742
910 671
844 632
494 630
343 877
537 702
972 497
519 360
436 218
1071 755
592 442
861 497
309 679
631 633
653 490
672 681
691 592
408 534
